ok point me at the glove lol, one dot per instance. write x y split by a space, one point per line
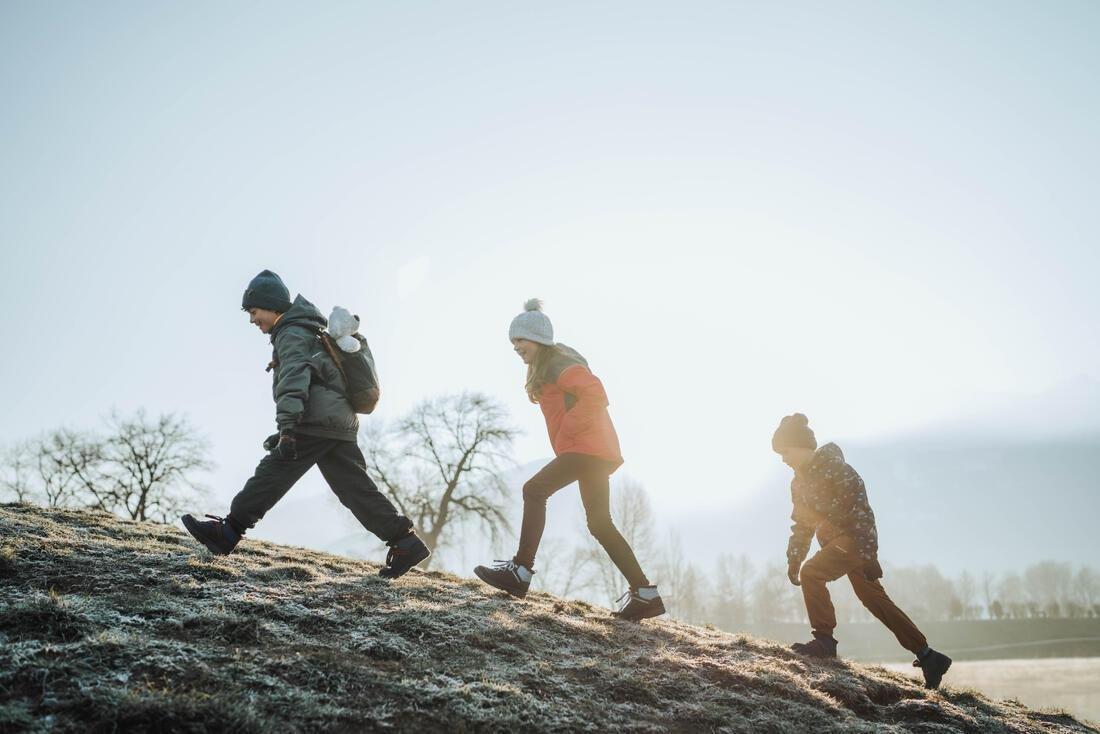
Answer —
271 442
792 573
871 570
287 447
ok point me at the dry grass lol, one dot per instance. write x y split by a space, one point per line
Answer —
108 625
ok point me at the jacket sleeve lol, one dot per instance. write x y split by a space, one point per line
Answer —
591 398
292 347
802 534
852 511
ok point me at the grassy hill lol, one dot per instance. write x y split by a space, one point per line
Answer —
108 625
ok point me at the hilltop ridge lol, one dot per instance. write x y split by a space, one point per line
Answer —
112 625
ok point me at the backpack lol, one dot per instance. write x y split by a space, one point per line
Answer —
358 372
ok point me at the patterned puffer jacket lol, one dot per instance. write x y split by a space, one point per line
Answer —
829 498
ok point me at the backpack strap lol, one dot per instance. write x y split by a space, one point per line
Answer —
330 347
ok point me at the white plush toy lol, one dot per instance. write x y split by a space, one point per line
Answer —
341 325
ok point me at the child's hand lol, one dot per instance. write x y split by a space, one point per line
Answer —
287 446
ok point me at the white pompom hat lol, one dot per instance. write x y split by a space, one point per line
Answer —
532 324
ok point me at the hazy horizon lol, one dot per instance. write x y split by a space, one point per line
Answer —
879 215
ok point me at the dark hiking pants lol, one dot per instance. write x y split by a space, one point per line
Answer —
343 467
592 474
841 558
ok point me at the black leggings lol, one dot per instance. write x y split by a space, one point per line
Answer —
592 473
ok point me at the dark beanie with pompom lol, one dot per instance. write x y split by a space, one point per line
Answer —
794 432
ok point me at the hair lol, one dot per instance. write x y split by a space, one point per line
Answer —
537 370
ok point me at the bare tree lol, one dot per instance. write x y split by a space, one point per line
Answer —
1010 591
17 465
733 579
563 571
1047 585
150 463
1086 588
678 587
66 464
989 593
141 469
966 591
923 592
443 462
633 516
769 595
693 591
77 457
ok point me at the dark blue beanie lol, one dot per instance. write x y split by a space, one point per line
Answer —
266 291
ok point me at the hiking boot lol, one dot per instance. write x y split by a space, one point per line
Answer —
216 533
639 603
821 646
506 576
933 664
403 555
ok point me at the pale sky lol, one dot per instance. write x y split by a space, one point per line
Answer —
873 213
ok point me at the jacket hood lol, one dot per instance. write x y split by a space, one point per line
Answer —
301 312
826 456
570 356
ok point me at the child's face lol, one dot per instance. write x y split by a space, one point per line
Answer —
263 319
525 349
796 457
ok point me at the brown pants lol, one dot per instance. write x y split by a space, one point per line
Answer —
591 473
840 558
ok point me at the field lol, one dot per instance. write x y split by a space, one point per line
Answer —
1070 684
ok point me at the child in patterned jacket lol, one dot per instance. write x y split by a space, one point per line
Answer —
830 499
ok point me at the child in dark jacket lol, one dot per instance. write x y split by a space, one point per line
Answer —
317 426
574 405
830 500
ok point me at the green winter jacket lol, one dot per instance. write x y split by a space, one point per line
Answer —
308 389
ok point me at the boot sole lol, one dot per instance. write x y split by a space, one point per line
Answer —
392 575
814 656
648 614
191 524
517 594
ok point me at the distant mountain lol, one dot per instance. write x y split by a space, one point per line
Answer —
988 493
1068 410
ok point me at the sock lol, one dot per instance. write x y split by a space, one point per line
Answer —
524 573
922 654
648 593
234 525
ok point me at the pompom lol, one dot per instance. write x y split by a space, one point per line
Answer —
533 304
799 420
